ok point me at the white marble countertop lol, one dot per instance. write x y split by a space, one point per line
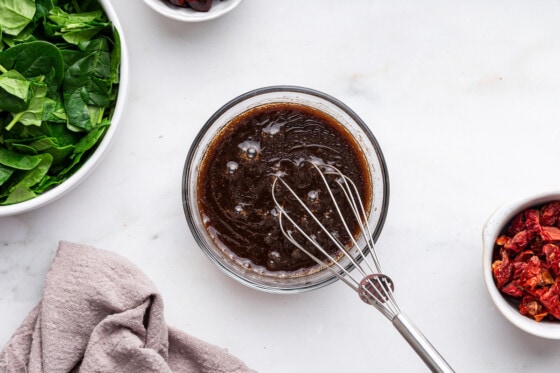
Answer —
463 99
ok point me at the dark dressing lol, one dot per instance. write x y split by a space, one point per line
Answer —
236 178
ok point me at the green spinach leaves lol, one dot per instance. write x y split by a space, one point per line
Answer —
59 79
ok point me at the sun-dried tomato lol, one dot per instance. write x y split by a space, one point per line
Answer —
519 267
516 225
550 213
550 234
550 300
526 267
513 288
518 242
534 277
502 270
532 223
531 307
552 253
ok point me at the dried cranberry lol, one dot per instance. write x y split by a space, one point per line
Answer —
200 5
181 3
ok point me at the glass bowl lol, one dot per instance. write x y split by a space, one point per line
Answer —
265 96
492 229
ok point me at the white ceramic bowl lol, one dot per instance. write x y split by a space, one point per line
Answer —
95 158
491 230
219 8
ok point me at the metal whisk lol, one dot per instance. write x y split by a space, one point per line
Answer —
372 286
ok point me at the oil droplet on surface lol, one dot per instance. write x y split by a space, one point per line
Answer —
251 153
232 167
313 195
250 150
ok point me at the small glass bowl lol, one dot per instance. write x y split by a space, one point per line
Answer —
492 229
269 95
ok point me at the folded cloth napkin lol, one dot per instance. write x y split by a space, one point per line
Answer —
100 313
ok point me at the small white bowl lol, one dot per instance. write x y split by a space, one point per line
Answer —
95 158
491 230
219 8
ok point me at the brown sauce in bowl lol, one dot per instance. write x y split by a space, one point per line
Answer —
236 176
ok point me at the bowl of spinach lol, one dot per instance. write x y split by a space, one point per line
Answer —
63 83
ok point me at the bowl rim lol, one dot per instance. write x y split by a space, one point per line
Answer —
95 158
191 15
384 205
491 230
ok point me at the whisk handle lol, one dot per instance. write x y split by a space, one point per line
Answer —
421 345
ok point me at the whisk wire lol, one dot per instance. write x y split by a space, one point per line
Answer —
352 195
353 283
342 275
376 290
374 287
350 191
344 184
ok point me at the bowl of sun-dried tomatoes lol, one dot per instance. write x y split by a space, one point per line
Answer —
521 263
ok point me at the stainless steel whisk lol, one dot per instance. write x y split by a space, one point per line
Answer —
372 286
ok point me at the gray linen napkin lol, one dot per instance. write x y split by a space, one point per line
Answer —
100 313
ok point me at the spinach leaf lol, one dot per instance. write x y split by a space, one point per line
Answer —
5 173
23 148
53 111
19 194
15 91
87 85
38 172
61 133
116 59
83 6
43 144
22 190
75 103
86 143
18 161
43 7
33 115
77 27
35 58
50 145
15 15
